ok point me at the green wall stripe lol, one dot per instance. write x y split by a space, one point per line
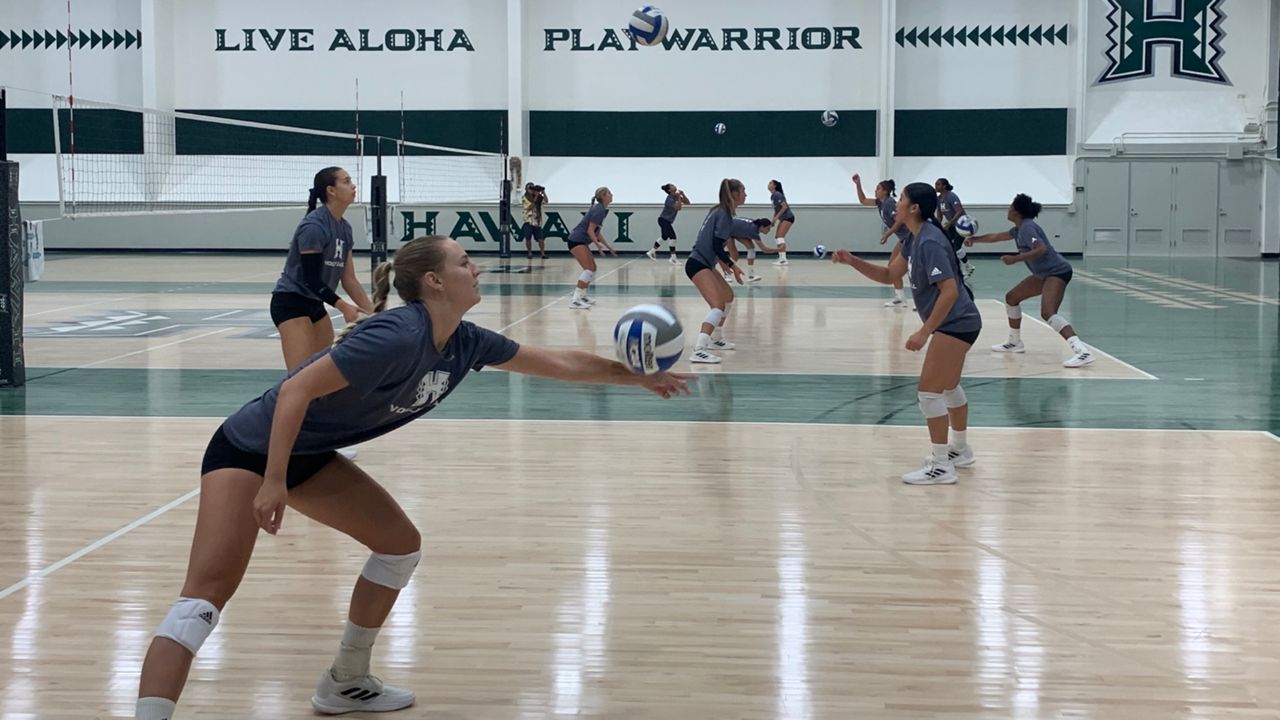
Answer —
942 133
466 129
793 133
30 130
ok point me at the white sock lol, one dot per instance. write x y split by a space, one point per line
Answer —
1077 345
154 708
962 254
958 439
352 660
1015 336
897 293
579 293
939 452
782 254
703 341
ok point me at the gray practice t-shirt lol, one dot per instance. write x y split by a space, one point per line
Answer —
715 231
744 228
930 260
669 209
394 375
1026 235
949 203
889 215
777 198
595 216
318 231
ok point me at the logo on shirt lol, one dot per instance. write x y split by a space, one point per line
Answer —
935 272
431 388
337 248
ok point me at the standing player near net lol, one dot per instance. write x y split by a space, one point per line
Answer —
586 233
951 326
887 204
278 450
676 199
1050 275
319 259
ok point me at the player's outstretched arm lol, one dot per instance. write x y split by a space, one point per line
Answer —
585 367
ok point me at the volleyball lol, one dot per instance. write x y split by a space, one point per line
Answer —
966 226
830 118
820 251
648 25
648 339
719 128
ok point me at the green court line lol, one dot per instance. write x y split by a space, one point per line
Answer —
720 397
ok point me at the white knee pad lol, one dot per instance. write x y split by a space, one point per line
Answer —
932 404
587 276
391 571
751 254
955 397
1057 322
1013 311
189 623
714 316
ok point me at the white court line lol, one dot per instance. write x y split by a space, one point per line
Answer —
1007 428
1271 435
222 315
147 350
51 569
156 330
138 295
555 302
711 372
1092 347
1152 296
1202 287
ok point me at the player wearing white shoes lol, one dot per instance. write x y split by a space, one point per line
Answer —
319 259
949 210
278 450
748 232
1050 275
580 240
887 204
676 199
783 219
709 251
951 326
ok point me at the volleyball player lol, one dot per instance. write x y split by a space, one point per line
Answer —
887 204
783 219
748 233
319 259
676 199
949 210
951 326
278 451
709 251
1050 275
584 235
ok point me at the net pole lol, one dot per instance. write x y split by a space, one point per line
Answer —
12 249
4 146
378 211
504 196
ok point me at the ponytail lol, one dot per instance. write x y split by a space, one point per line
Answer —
728 187
413 260
320 185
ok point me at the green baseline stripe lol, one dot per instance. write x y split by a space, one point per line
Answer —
789 133
858 399
950 133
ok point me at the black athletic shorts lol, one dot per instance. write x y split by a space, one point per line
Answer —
531 231
791 220
969 338
1064 277
222 454
693 267
287 306
668 231
953 235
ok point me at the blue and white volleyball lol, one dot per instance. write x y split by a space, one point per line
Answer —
819 251
648 339
966 226
648 25
830 118
719 128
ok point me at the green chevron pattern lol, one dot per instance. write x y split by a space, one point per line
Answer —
91 40
977 35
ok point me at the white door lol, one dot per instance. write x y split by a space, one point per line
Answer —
1239 209
1106 209
1195 209
1150 209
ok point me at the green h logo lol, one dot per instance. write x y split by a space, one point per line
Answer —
1193 30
